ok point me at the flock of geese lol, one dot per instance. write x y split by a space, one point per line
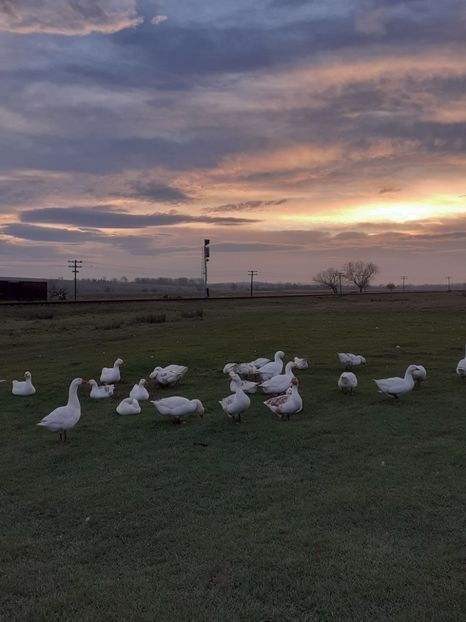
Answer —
281 385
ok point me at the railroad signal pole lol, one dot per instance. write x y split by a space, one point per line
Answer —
403 280
205 259
252 274
449 286
75 265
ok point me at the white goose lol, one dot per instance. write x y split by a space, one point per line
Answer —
281 382
420 374
394 387
247 386
178 407
66 417
235 404
288 404
275 367
301 363
23 387
461 367
139 391
169 375
244 369
260 362
350 360
102 392
128 406
110 375
347 382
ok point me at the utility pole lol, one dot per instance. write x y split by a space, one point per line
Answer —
449 279
403 280
75 265
340 275
252 274
205 259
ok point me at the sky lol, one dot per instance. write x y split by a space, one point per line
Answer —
296 135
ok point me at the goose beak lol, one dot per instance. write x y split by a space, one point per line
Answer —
84 381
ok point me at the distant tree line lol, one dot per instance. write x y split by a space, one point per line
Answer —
358 273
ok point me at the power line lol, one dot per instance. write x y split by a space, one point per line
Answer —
252 274
75 265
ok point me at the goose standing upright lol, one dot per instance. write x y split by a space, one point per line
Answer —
461 367
66 417
23 387
274 368
347 382
288 404
394 387
281 382
235 404
110 375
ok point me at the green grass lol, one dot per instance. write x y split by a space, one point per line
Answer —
354 510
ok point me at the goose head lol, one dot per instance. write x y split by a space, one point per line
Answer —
200 410
154 373
92 382
279 355
27 375
118 362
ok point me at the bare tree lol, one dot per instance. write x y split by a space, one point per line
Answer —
329 278
391 286
360 273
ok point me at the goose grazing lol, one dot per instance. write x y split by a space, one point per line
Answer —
288 404
350 360
110 375
244 369
246 385
347 382
281 382
66 417
23 387
461 367
300 363
128 406
238 402
99 393
419 374
139 391
274 368
178 407
394 387
169 375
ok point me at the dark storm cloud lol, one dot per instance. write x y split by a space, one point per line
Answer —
107 217
44 234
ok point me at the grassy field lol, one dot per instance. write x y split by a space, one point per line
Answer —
353 510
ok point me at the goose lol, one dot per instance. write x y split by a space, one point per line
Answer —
110 375
99 393
178 407
461 367
419 374
139 391
246 385
243 369
350 360
275 367
280 382
23 387
66 417
288 404
128 406
260 362
300 363
236 403
169 375
347 382
394 387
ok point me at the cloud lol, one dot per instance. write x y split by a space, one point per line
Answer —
156 191
68 17
107 217
158 19
238 247
245 206
44 234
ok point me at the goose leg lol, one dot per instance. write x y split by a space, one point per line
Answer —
64 436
